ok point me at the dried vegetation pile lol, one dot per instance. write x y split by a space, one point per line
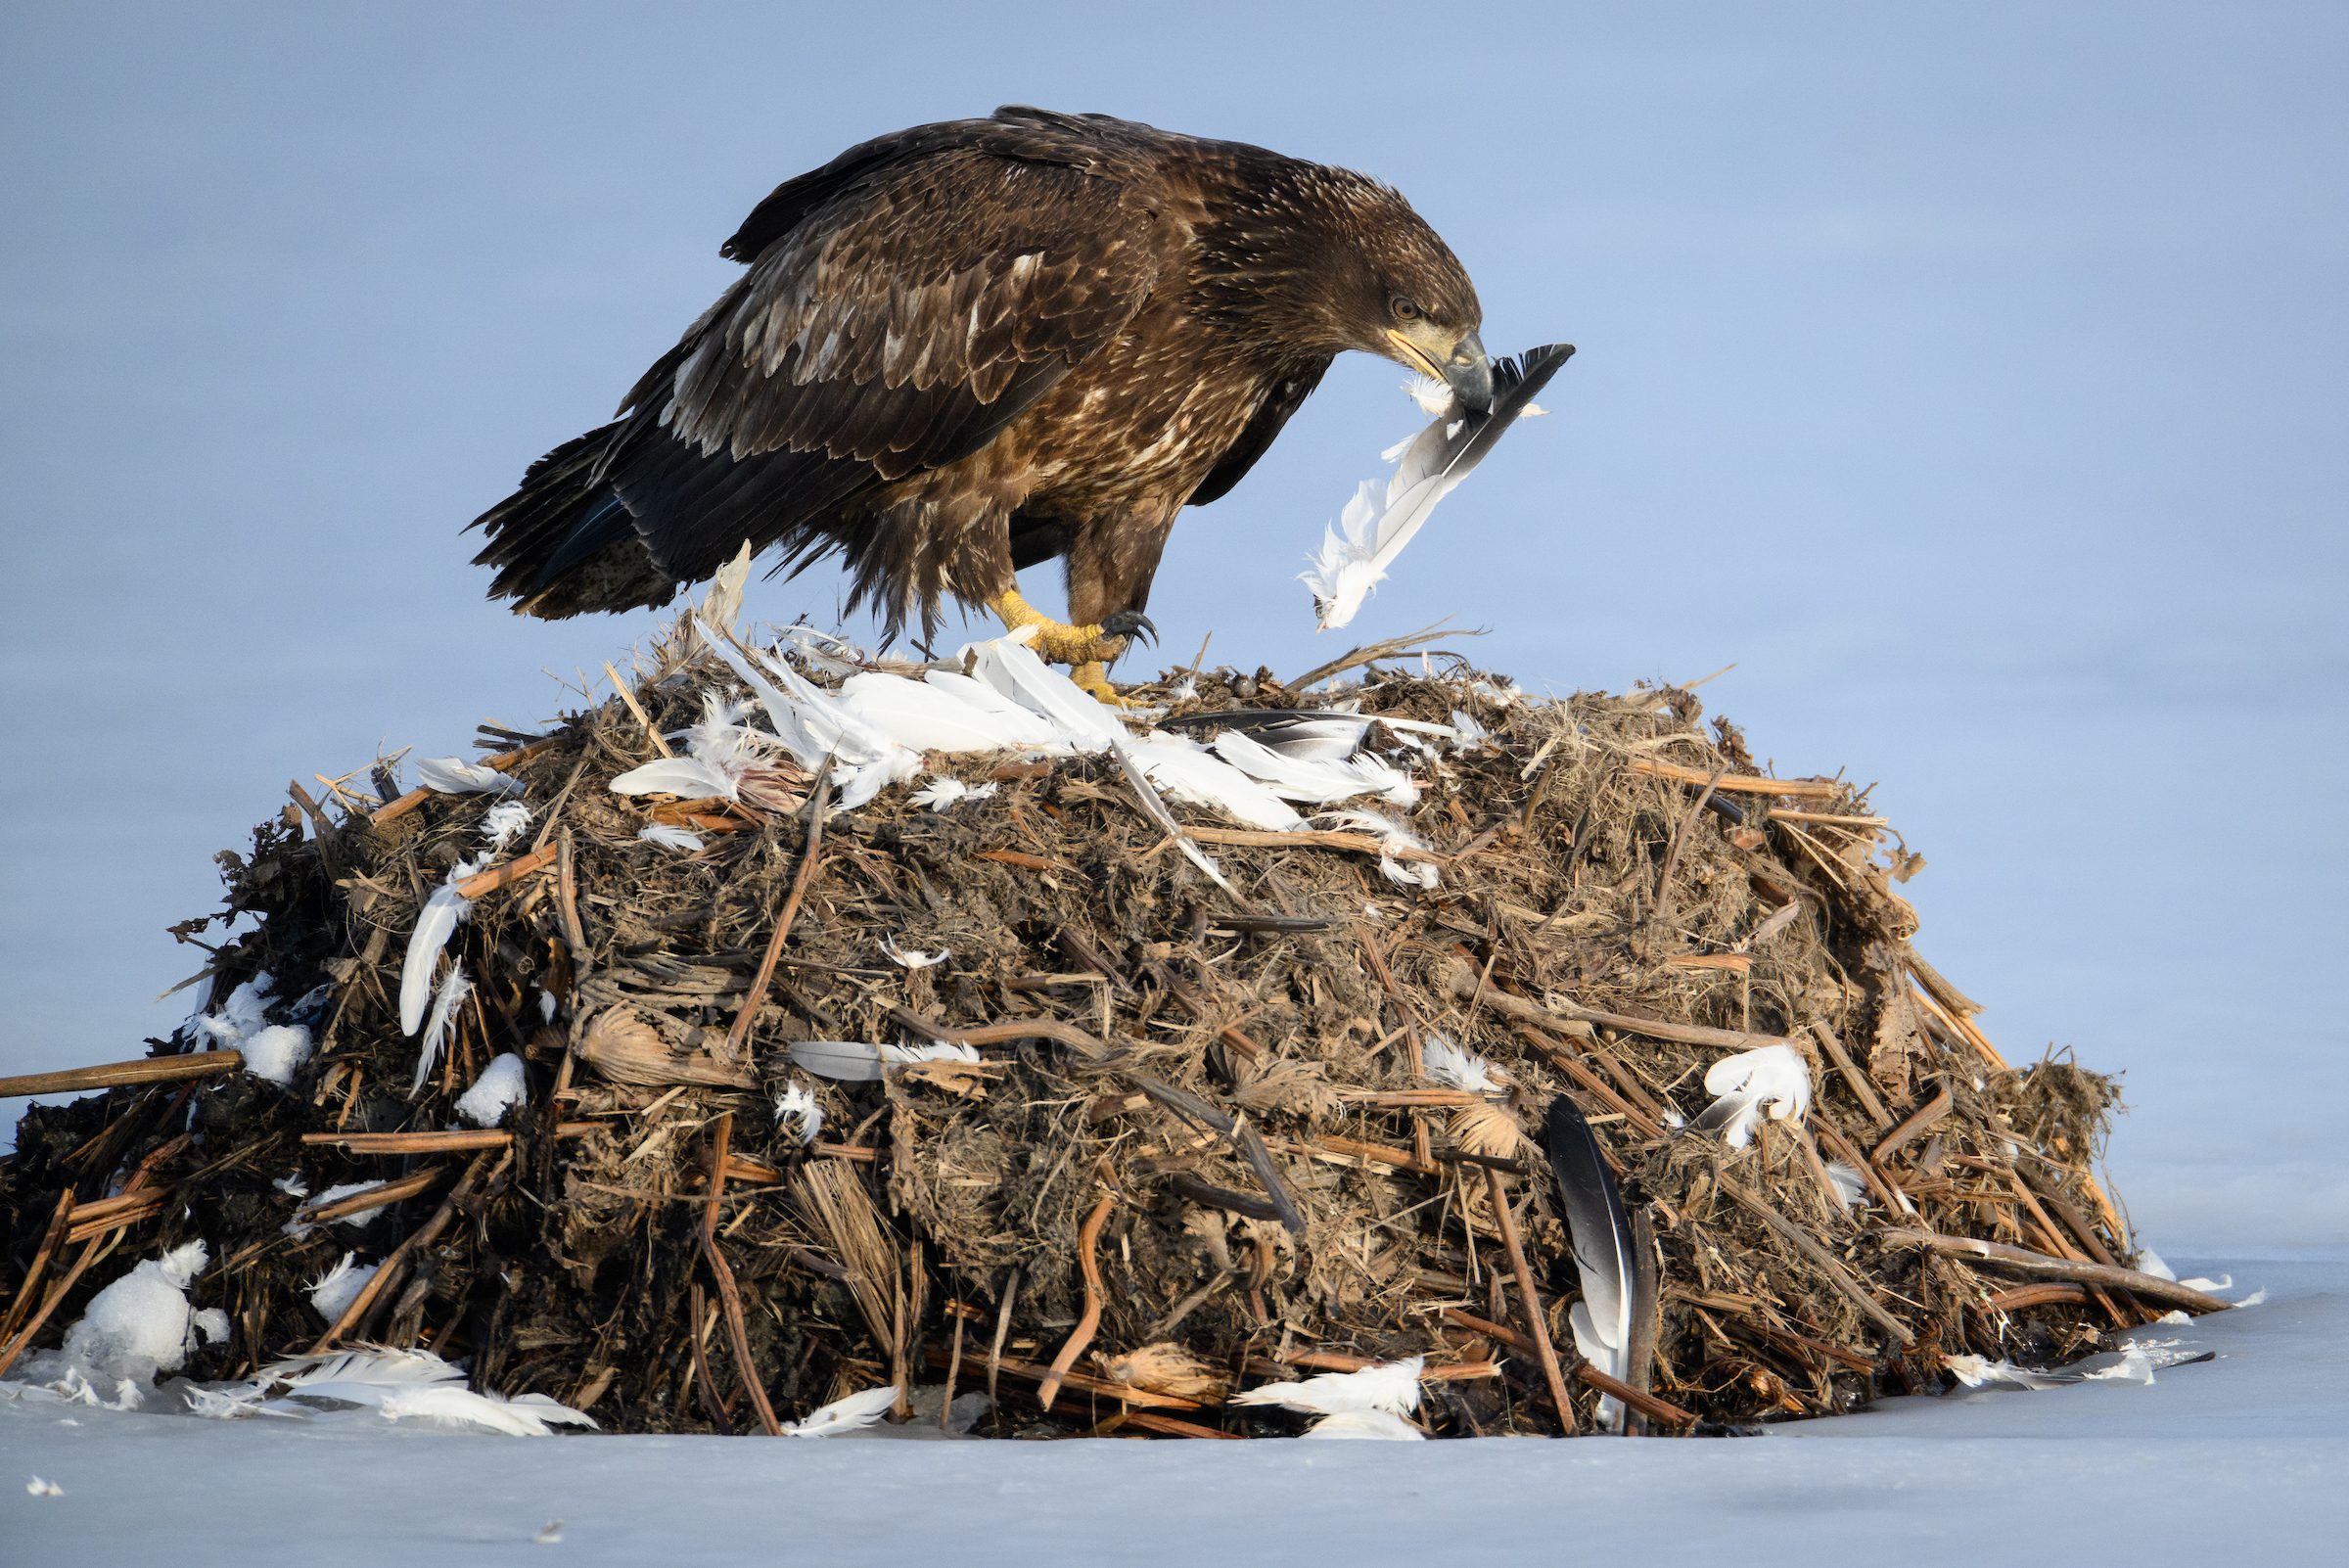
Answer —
1202 1148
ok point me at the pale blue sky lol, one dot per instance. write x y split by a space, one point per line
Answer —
1969 374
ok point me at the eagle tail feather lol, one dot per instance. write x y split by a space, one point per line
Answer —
564 543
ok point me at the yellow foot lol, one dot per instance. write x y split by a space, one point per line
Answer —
1093 679
1075 646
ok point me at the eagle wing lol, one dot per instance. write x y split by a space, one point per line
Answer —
905 303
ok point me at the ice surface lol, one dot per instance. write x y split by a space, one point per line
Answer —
2246 1454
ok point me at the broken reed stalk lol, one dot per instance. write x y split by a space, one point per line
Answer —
729 1294
41 1316
1463 976
1083 1335
2023 1260
1924 1116
1807 788
738 1037
1332 838
114 1075
53 1238
1527 1299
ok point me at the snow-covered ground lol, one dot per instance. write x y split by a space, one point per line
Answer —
2245 1456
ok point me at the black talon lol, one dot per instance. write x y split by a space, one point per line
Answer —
1130 623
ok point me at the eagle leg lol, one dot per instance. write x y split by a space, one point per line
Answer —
1085 649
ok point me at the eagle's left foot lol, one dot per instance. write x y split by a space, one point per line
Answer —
1075 646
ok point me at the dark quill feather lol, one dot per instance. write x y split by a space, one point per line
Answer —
1604 1251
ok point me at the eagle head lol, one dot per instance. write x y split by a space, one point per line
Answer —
1324 259
1396 291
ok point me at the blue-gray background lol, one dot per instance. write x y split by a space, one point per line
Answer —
1970 375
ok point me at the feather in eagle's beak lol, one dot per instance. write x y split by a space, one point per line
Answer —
1460 363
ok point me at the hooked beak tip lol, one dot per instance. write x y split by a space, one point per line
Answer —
1469 374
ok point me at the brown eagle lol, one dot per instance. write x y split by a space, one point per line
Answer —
975 346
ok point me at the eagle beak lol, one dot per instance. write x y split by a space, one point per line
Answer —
1468 372
1460 364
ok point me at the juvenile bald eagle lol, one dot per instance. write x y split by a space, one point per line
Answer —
975 346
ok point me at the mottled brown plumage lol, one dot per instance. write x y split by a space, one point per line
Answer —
975 346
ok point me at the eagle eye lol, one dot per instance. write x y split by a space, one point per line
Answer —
1405 309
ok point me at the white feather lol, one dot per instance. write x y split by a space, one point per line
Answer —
446 1003
1318 780
1001 712
929 718
668 836
336 1289
300 1225
943 791
1372 1424
689 778
450 776
1013 668
1147 794
1392 836
1453 1068
913 957
502 822
1392 1387
1188 772
900 1055
850 1415
400 1384
799 1107
1850 1185
1774 1076
435 923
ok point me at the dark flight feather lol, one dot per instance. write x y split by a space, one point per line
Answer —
1604 1250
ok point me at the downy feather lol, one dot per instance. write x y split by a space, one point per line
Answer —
1392 1387
856 1411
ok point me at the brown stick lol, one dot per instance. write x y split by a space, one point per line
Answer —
1828 1262
1358 843
41 1314
1861 1089
512 870
2007 1300
113 1074
1598 1087
739 1036
2063 1244
729 1294
1529 1302
1083 1335
1463 977
2038 1263
51 1239
382 1197
1851 1156
1925 1115
460 1141
1801 789
1371 653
